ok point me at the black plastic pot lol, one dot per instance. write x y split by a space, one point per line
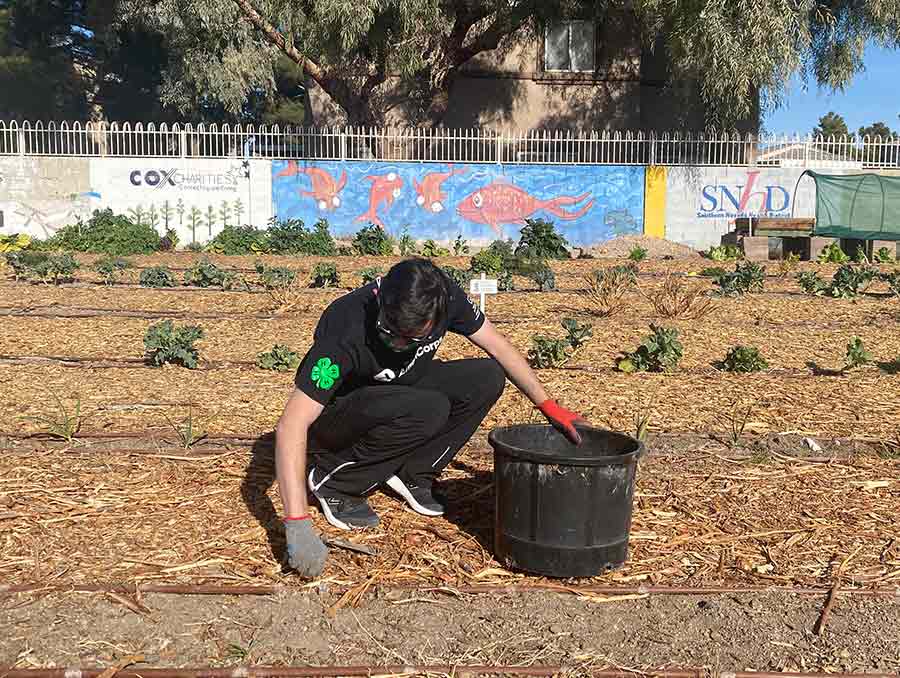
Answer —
562 510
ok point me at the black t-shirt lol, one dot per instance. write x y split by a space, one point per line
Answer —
348 354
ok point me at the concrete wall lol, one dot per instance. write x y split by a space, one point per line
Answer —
588 203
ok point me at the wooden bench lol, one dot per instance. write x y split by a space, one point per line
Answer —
778 227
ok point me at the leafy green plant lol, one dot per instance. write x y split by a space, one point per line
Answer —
538 239
833 254
56 268
23 262
788 264
637 253
459 276
157 276
194 247
892 280
661 351
546 352
372 240
460 246
542 275
577 334
165 343
883 256
325 275
169 242
713 272
270 277
204 273
605 289
856 355
744 359
812 283
61 423
859 256
849 281
286 236
370 273
107 233
747 277
406 244
112 269
724 253
235 240
505 282
487 261
281 359
431 249
319 242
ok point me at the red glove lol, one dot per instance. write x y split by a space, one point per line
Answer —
563 420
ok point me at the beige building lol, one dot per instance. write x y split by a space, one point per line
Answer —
572 75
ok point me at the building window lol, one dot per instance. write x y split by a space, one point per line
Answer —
569 47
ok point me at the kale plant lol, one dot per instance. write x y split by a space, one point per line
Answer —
165 343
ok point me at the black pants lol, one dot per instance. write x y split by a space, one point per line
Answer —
412 432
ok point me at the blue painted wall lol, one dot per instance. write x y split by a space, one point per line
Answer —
588 204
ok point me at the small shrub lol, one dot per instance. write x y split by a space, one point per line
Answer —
883 256
812 283
169 242
538 239
856 355
606 289
788 264
577 335
637 253
833 254
505 282
546 352
489 262
747 277
325 275
431 249
235 240
319 242
661 351
460 246
372 240
286 236
107 233
56 269
713 272
849 280
270 277
112 269
204 273
459 276
542 275
165 343
678 298
744 359
157 276
280 358
406 244
370 274
724 253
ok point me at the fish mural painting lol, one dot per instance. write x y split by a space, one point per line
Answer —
325 190
430 196
503 203
384 190
478 201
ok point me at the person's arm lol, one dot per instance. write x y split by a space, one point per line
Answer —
520 373
305 550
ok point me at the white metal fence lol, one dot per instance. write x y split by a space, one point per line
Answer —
444 145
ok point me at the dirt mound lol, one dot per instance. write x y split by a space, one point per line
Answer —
656 247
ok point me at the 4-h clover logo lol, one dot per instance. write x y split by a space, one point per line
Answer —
324 372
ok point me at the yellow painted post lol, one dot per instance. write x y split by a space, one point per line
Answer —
655 201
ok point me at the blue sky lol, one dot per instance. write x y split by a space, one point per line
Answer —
871 96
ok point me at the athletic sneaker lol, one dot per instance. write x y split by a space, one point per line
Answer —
344 511
419 497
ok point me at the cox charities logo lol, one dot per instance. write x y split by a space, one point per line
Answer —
191 180
741 200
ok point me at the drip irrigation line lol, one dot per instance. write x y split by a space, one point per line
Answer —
477 589
152 434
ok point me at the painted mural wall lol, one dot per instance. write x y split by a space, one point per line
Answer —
40 195
703 202
589 204
196 198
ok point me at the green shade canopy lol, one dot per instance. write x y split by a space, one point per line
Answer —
860 206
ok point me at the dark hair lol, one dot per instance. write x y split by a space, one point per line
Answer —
412 294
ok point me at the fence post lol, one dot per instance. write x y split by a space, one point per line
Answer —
500 148
21 136
343 143
182 142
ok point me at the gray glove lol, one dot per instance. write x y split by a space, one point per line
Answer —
306 552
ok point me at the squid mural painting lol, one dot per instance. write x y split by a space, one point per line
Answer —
482 202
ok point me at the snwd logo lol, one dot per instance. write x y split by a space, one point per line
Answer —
741 200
